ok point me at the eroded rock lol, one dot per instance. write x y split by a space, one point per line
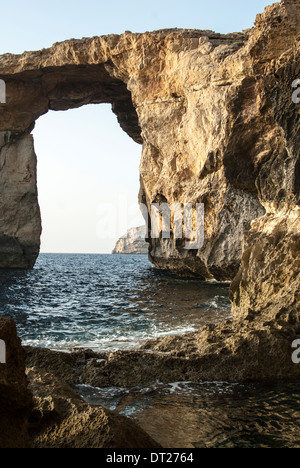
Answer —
20 222
61 419
15 398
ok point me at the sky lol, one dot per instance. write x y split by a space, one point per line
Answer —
88 168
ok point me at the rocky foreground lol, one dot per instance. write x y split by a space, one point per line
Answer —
39 409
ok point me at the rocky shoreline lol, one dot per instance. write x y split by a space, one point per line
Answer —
41 408
214 353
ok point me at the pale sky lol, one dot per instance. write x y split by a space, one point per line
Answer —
87 166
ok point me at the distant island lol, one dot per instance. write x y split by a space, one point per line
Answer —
133 242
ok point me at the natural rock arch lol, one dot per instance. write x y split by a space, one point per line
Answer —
130 72
30 94
201 103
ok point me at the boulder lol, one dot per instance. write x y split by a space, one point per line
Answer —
61 419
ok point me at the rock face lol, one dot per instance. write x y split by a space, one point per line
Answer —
133 242
15 398
218 126
20 223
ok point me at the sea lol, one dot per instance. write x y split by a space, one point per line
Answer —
117 302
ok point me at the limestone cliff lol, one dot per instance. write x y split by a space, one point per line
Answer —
133 242
218 126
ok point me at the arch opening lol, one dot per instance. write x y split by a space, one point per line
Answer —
87 178
30 95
